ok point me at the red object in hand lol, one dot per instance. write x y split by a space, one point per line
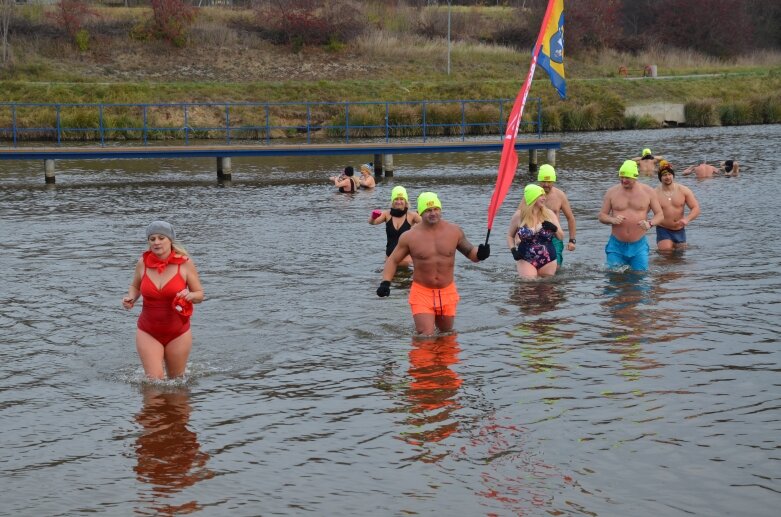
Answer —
376 214
183 307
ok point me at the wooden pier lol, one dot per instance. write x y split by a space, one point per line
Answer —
382 152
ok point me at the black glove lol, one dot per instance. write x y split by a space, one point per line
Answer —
483 251
547 225
384 289
517 255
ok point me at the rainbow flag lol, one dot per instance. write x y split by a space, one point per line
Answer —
509 159
551 57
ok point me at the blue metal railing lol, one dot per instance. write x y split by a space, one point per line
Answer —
258 122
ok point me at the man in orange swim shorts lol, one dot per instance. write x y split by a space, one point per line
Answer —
432 245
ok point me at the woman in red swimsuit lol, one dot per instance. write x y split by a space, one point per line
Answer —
167 279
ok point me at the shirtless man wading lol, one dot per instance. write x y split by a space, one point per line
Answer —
432 244
625 207
673 198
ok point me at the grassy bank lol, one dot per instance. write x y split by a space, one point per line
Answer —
226 62
727 99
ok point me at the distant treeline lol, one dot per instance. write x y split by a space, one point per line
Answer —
722 28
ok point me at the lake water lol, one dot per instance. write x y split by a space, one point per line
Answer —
593 393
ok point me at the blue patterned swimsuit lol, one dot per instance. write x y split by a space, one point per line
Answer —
536 247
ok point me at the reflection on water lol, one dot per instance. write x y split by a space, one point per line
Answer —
540 333
629 299
169 457
432 392
513 475
537 297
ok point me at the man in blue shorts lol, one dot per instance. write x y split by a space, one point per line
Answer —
625 208
673 198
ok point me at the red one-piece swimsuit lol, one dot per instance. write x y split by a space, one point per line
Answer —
158 317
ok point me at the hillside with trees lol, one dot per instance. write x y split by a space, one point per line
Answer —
723 54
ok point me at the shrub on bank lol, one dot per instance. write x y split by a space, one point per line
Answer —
736 113
767 109
701 113
611 112
641 122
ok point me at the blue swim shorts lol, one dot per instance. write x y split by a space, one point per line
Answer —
559 245
632 254
677 236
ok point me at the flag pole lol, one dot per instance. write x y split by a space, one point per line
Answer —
509 159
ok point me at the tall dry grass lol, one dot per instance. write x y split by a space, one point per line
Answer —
396 48
669 61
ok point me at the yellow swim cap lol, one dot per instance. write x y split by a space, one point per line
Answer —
646 152
531 193
428 200
398 192
547 173
628 170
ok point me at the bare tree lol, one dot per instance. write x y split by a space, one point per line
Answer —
6 10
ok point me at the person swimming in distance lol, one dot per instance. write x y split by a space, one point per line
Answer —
647 162
702 170
730 167
367 179
346 182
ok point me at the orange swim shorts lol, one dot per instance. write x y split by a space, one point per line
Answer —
439 302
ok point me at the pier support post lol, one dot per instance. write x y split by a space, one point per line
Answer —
532 160
223 168
551 158
378 165
48 168
387 164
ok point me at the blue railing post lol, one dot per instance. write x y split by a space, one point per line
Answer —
145 130
347 122
227 124
539 117
59 128
387 122
424 120
13 122
100 124
308 120
268 128
502 128
186 125
463 120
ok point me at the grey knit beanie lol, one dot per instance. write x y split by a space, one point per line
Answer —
161 228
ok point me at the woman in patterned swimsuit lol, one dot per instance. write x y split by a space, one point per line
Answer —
531 233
